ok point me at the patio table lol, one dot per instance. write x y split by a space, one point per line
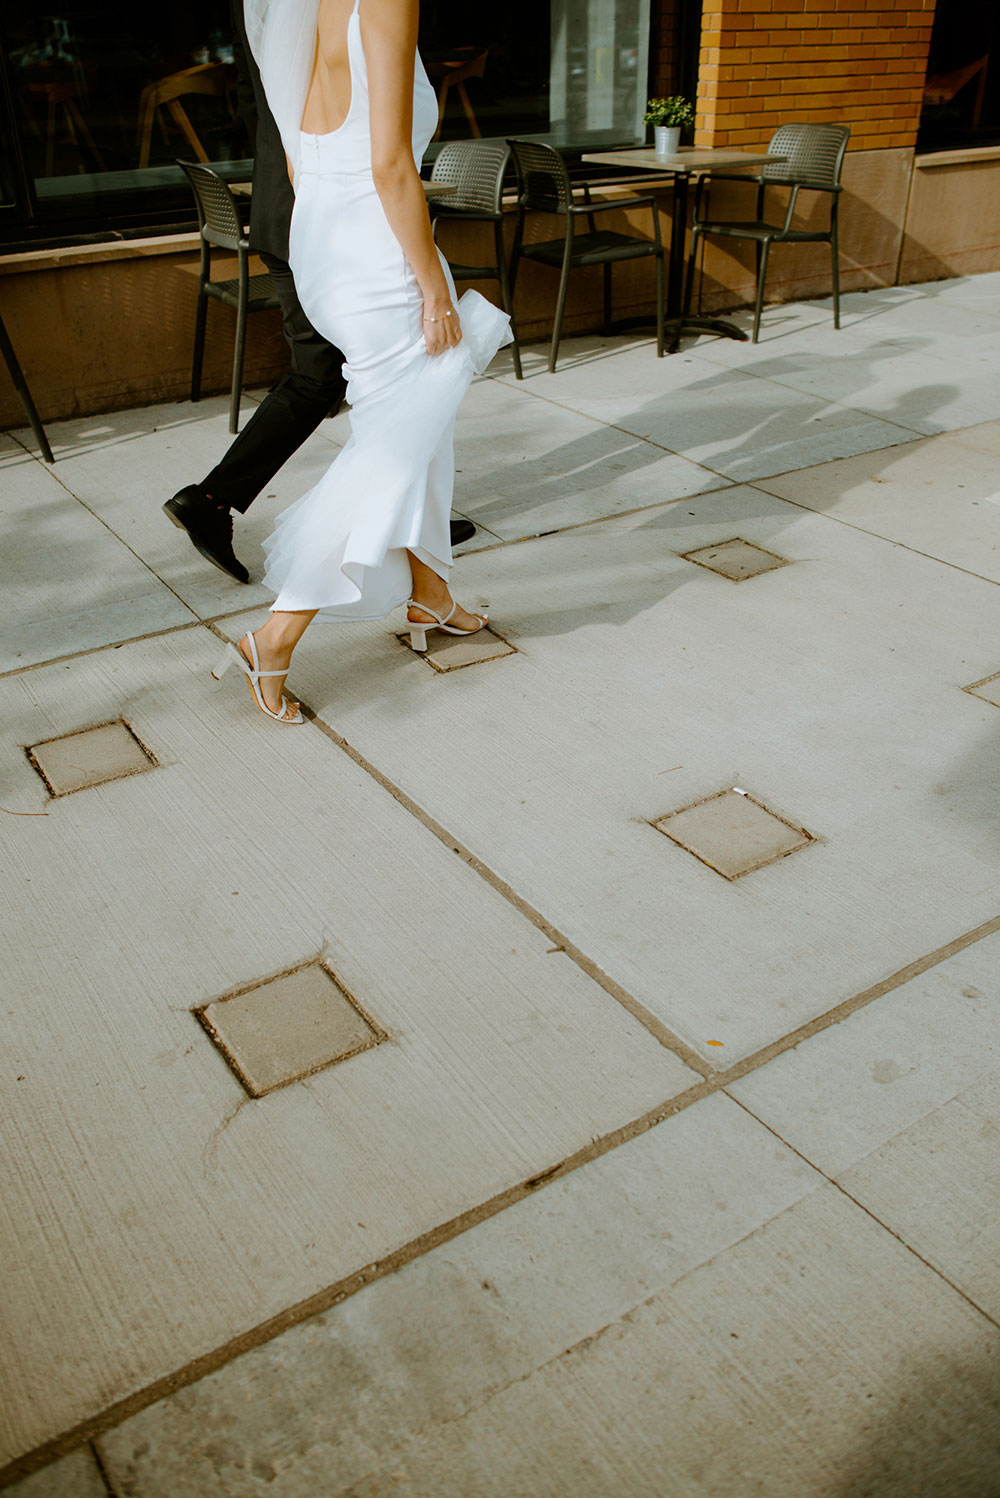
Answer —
689 161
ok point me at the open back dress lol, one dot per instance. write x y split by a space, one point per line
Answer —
342 547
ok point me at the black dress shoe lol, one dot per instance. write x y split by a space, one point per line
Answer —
461 530
210 527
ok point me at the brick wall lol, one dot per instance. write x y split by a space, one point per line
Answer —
764 63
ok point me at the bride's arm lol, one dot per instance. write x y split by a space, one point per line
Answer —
389 33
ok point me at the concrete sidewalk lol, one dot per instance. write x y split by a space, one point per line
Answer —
622 1118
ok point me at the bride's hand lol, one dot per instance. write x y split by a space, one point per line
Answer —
442 328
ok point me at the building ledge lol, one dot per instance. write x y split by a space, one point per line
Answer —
94 254
967 156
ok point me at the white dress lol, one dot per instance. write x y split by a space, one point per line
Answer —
342 547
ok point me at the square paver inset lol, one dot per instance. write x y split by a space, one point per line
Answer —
449 652
988 689
288 1027
90 757
736 559
733 833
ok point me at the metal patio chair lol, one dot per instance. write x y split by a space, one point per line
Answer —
477 169
544 187
815 156
219 222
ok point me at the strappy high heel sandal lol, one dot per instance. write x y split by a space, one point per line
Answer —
418 632
253 674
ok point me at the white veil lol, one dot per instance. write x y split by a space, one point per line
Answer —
282 37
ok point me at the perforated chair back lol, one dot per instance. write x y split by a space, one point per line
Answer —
476 169
815 154
542 178
217 215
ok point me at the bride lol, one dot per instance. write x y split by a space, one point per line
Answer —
356 112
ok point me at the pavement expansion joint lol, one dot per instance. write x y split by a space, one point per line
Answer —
91 756
988 690
733 832
288 1027
451 652
736 559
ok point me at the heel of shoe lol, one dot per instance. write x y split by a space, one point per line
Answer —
225 661
418 637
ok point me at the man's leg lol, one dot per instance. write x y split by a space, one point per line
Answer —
288 414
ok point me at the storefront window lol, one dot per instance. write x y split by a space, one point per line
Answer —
100 107
962 93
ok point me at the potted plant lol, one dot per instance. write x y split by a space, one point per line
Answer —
667 116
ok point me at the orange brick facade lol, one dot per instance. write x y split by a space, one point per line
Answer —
764 63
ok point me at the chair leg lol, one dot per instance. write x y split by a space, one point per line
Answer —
835 255
660 311
199 344
692 261
506 295
241 336
607 299
515 260
763 250
560 309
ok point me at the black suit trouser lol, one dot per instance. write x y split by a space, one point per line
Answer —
289 413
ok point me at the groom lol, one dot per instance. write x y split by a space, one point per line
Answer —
314 387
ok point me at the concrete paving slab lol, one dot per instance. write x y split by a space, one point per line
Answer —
853 1088
815 1358
949 1159
89 757
528 465
75 1476
940 495
985 436
124 466
906 381
325 1403
70 584
644 684
152 1212
742 427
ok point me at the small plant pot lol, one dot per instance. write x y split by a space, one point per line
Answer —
666 139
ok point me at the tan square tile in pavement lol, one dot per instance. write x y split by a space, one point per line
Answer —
733 833
988 689
736 559
449 652
90 757
288 1027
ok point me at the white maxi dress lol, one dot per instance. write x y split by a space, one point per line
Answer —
341 548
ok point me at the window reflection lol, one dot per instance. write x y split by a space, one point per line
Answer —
80 82
961 105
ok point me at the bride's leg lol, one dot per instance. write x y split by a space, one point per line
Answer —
431 589
275 642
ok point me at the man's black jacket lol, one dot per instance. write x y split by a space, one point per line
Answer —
271 207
